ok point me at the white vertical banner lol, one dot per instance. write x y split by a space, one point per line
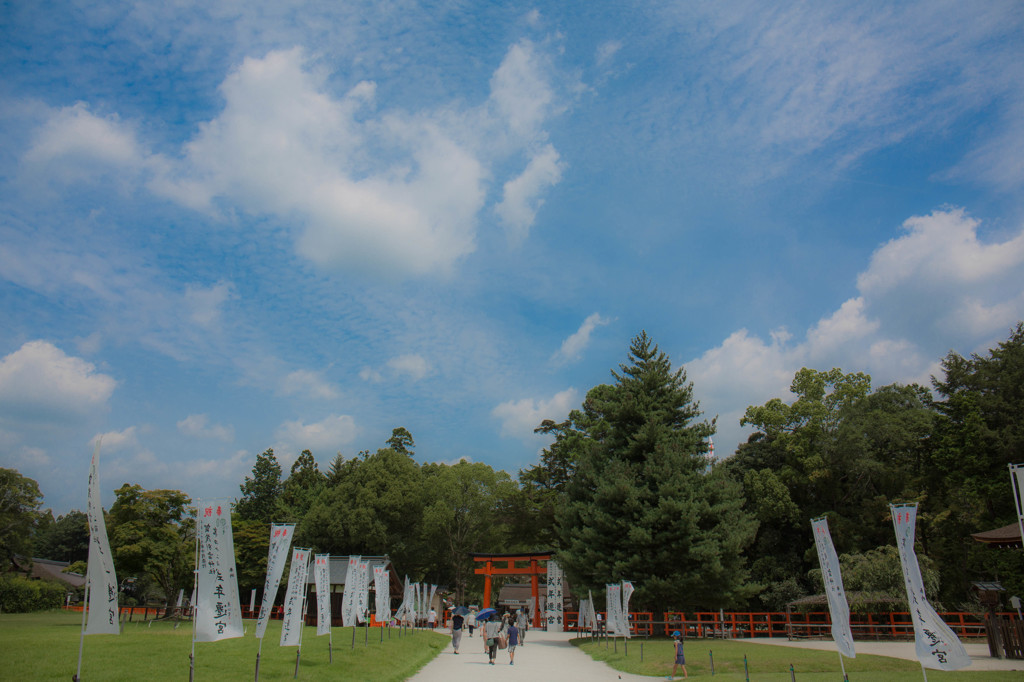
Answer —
1017 483
613 598
627 592
838 607
291 627
349 599
100 576
553 607
280 541
218 609
382 594
363 596
322 579
252 601
430 603
936 645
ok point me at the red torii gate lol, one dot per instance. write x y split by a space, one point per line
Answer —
510 560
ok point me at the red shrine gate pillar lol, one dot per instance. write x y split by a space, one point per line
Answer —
507 566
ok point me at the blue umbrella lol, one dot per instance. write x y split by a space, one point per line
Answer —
484 614
460 611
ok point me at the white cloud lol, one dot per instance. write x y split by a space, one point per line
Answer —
307 383
199 426
40 379
520 200
371 375
520 90
114 441
607 50
413 366
520 417
572 348
937 281
327 435
73 141
204 303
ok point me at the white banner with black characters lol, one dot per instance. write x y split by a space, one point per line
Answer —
382 590
280 541
322 580
350 598
218 609
613 601
553 608
936 645
363 597
627 592
838 607
294 599
100 576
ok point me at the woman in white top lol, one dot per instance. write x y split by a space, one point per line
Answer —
492 630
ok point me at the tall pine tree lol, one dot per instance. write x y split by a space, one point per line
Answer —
643 503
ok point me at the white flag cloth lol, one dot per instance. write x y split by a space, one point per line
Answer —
613 597
382 593
592 623
553 607
627 592
322 579
1017 483
936 645
838 607
219 612
430 602
280 541
363 596
350 601
291 627
100 576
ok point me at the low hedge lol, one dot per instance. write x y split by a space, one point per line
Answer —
18 594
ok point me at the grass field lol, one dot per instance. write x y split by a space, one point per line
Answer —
44 646
770 663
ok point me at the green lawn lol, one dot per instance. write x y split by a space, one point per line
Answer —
766 662
44 646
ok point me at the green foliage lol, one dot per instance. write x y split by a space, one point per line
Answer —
20 500
152 537
303 486
19 594
641 504
261 492
65 539
401 441
877 575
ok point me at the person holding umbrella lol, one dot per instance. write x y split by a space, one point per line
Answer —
492 630
457 621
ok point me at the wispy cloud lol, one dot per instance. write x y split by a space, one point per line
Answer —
572 348
520 417
199 426
306 382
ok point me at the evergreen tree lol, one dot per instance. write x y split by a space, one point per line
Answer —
261 492
642 504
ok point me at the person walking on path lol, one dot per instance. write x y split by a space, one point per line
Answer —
432 618
493 629
513 640
677 640
522 623
456 625
471 621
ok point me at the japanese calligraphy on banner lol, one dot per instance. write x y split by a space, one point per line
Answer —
100 576
936 645
553 606
363 596
382 589
219 613
627 592
838 607
613 600
280 541
350 600
322 579
291 627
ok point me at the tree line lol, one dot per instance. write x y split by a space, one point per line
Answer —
627 491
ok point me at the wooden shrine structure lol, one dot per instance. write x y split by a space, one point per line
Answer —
515 564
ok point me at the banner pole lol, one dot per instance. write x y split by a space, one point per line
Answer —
925 674
842 666
258 652
81 637
195 591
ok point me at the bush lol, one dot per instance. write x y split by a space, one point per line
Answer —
18 594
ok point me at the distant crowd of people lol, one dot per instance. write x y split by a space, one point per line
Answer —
506 631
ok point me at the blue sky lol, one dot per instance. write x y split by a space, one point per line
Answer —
232 226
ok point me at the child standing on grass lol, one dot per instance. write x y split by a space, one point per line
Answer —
677 641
